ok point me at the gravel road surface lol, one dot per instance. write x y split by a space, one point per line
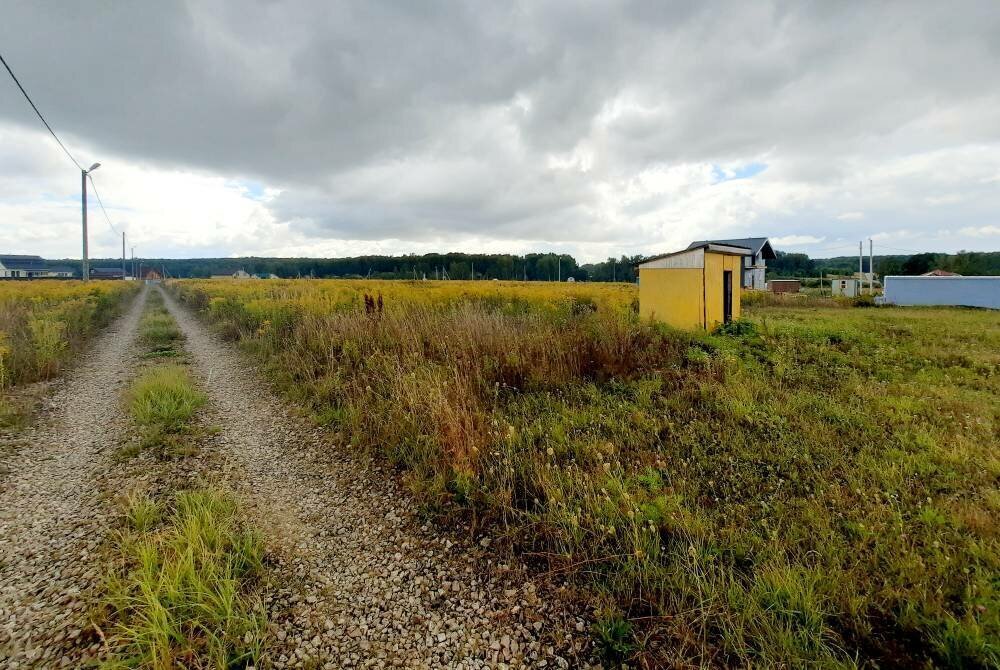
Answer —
365 583
52 517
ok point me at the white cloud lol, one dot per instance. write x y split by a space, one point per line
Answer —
980 231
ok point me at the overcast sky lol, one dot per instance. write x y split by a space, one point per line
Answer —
328 128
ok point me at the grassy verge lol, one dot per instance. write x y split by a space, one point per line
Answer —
817 490
43 325
184 590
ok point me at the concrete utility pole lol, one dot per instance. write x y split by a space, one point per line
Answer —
123 255
559 268
83 207
871 268
861 266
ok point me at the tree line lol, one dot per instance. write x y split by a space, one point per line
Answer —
530 267
537 267
963 263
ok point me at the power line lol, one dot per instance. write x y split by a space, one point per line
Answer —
42 118
99 202
908 251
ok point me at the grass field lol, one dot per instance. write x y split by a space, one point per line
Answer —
818 488
43 324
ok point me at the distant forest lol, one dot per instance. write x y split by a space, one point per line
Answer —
963 263
536 267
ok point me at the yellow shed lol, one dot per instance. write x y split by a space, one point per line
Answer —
694 288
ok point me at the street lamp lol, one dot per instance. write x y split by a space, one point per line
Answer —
83 203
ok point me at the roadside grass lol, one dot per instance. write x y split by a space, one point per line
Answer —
819 489
185 588
43 325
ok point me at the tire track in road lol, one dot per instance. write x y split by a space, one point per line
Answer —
52 520
363 583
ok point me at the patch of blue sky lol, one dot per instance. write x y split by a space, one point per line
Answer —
721 174
251 189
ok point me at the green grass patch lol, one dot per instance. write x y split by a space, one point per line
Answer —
185 588
162 402
158 332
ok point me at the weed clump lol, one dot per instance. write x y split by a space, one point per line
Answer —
185 588
161 402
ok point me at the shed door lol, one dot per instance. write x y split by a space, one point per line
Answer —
727 296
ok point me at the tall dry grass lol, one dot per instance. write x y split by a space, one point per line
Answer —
792 494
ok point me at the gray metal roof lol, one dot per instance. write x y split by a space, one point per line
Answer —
716 247
22 262
754 244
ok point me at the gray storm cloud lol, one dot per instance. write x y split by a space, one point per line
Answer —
530 121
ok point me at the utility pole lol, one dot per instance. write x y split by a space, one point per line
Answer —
861 266
83 207
559 269
85 267
473 270
133 263
871 268
612 270
123 255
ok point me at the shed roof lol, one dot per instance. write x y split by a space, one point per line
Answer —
728 249
757 245
22 262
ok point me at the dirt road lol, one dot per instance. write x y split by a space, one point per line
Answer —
357 580
52 518
369 585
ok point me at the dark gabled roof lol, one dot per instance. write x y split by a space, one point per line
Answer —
63 268
758 245
106 272
22 262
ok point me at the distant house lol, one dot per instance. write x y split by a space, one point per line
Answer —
107 273
62 272
241 274
845 288
754 265
940 273
18 266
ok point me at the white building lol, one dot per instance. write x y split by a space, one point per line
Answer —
957 291
754 265
844 288
20 266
